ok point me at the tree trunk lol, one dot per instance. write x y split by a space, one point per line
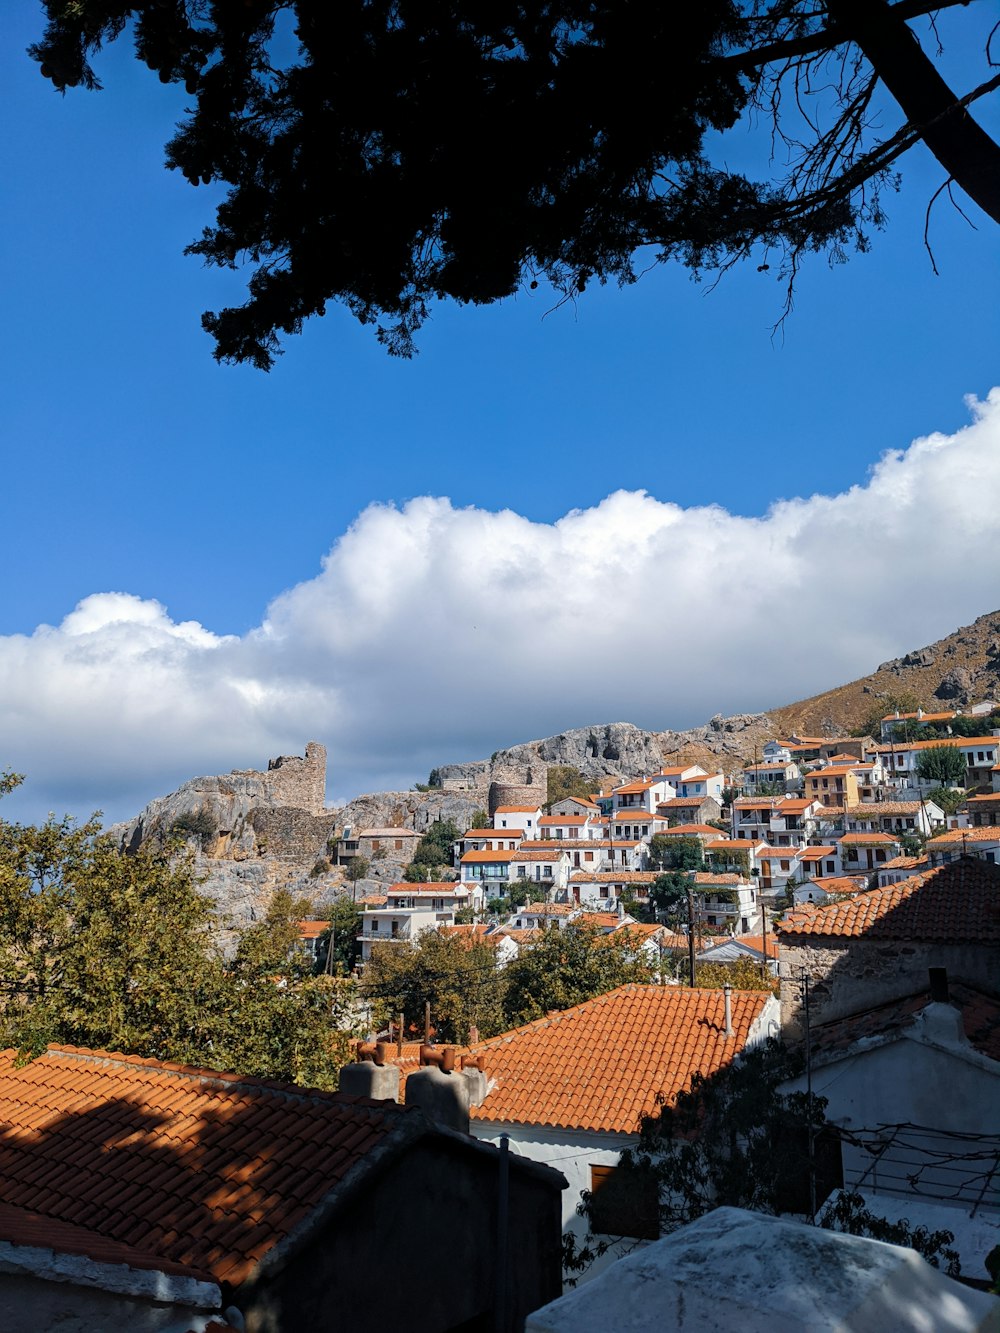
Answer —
964 149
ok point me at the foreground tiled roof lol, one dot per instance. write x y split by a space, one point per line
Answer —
600 1065
166 1167
958 903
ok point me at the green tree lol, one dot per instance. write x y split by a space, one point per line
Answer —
434 852
277 1019
676 852
114 951
948 799
405 154
356 869
337 951
564 780
669 895
104 950
457 976
567 966
943 764
743 974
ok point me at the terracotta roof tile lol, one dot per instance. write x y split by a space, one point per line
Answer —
601 1065
166 1167
957 903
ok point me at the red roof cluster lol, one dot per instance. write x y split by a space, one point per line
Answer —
957 903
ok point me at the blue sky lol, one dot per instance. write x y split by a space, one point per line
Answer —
135 465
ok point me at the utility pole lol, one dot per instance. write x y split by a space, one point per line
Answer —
690 898
809 1101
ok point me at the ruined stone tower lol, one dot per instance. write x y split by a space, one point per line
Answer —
517 785
298 782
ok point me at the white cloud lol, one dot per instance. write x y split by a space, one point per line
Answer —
436 634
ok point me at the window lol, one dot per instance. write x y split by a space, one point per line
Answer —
374 926
588 856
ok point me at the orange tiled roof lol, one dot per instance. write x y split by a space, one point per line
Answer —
957 903
516 810
875 809
488 854
601 1065
436 886
602 920
867 839
815 853
688 830
312 930
613 876
843 883
185 1170
470 931
984 833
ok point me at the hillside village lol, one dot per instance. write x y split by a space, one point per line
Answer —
836 899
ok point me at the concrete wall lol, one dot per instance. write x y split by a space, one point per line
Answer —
573 1152
31 1304
931 1085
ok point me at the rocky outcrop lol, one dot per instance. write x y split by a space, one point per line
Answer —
250 832
613 749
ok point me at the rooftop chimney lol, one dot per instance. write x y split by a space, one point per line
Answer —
727 995
939 985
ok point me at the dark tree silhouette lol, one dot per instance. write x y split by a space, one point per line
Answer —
397 151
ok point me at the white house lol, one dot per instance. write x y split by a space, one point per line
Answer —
524 817
411 908
913 1087
489 868
642 797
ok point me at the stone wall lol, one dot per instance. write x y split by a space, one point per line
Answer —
286 834
850 976
294 781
